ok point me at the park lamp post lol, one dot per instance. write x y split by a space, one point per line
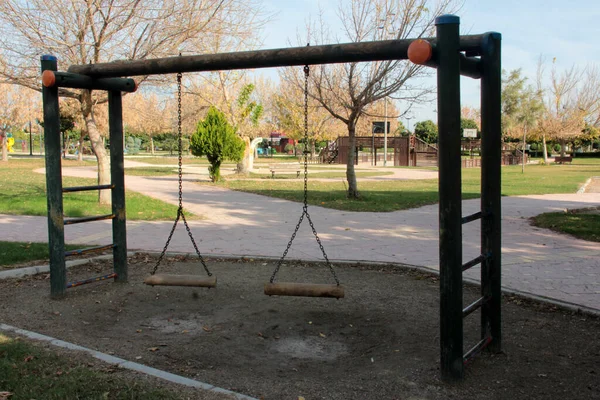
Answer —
30 139
385 33
408 118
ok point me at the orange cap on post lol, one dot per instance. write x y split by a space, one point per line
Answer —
420 51
48 78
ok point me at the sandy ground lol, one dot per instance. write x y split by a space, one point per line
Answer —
380 342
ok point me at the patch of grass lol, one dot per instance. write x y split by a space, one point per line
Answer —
24 193
375 196
168 160
316 174
586 161
276 159
542 179
152 171
399 195
31 372
582 225
20 252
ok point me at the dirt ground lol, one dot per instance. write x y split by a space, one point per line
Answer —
380 342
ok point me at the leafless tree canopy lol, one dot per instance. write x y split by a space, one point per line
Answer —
92 31
346 90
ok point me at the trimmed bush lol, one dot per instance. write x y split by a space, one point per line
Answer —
216 139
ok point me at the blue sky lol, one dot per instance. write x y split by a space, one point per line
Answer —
566 30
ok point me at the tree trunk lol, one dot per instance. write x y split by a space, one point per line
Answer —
80 153
544 149
563 144
4 147
152 145
243 166
350 173
97 141
523 150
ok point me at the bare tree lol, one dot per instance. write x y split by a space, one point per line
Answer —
287 111
588 98
563 117
15 112
147 113
92 31
346 90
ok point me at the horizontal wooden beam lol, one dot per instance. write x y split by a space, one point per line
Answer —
311 55
76 81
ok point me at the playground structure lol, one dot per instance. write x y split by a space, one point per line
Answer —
475 56
408 151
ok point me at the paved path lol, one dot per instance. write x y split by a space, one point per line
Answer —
535 261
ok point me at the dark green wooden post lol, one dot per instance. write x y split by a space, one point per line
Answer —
491 144
117 174
56 229
448 103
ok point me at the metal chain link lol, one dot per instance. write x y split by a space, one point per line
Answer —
180 213
305 207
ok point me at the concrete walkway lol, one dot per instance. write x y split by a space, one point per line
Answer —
535 261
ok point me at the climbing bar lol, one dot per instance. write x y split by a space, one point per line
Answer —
75 81
88 250
91 280
304 290
472 217
423 52
473 262
72 221
181 280
478 348
324 54
84 188
475 305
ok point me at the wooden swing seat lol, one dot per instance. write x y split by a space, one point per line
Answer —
304 290
181 280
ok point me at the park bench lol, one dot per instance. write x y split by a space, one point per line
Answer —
285 167
560 160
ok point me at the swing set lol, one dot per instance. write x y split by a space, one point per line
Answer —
452 55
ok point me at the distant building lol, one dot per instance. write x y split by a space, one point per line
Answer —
278 141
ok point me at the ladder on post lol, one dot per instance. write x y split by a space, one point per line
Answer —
484 58
52 80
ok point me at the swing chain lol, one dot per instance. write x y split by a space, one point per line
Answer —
305 207
180 146
180 214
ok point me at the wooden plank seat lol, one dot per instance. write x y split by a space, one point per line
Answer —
561 160
285 167
181 280
304 290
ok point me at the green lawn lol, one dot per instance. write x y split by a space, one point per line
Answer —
28 372
399 195
23 192
20 252
168 160
584 226
316 173
152 171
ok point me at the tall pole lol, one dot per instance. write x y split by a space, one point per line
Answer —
385 128
450 206
56 228
491 222
117 174
30 139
